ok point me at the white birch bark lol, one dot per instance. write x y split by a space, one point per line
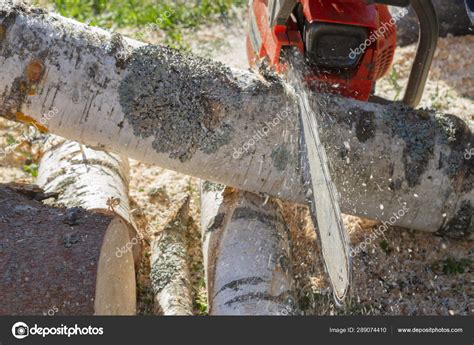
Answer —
246 252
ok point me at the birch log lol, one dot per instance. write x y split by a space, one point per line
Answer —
97 181
204 119
246 254
169 266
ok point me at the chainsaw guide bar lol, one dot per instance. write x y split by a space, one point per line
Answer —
321 192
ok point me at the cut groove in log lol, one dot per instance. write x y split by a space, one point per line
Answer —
379 154
246 254
98 184
169 267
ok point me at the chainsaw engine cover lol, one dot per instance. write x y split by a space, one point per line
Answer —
329 45
347 44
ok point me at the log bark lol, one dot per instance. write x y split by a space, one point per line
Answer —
204 119
169 266
97 181
246 252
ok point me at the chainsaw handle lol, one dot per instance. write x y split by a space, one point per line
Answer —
398 3
427 42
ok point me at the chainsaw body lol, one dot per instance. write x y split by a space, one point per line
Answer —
348 44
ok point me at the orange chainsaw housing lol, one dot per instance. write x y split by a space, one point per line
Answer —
356 82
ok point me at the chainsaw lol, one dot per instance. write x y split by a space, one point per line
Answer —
345 46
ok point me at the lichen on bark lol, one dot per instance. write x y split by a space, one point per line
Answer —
178 99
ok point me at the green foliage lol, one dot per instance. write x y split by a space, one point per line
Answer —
394 76
440 100
200 301
385 247
168 15
452 266
31 169
10 139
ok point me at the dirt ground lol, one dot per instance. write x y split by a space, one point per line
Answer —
403 273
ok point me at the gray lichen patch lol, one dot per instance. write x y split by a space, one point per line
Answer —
418 132
365 126
178 99
363 121
169 266
421 130
458 136
212 187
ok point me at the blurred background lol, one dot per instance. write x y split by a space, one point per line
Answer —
136 14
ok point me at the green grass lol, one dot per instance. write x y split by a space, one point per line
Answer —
394 78
385 247
172 17
200 301
31 169
452 266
